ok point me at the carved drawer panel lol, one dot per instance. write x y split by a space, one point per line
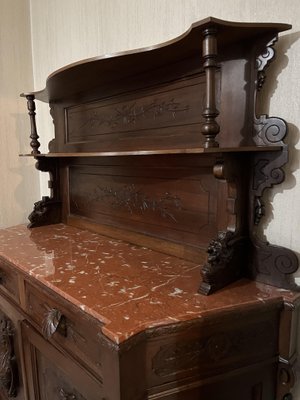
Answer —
54 376
9 281
62 323
214 348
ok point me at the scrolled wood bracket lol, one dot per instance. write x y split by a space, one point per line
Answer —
9 379
269 264
35 144
263 61
210 127
48 210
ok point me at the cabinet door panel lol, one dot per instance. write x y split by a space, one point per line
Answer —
54 376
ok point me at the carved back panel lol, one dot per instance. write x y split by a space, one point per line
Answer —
174 198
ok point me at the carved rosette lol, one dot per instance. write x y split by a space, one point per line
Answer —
8 367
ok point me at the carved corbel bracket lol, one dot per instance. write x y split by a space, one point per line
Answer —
223 263
226 252
48 210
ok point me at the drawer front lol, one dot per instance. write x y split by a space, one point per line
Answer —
213 348
76 333
9 283
54 376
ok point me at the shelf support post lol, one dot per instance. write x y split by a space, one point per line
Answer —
35 144
210 127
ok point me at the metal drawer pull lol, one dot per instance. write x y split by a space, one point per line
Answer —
54 321
66 396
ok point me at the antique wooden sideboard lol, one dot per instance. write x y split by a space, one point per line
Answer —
142 275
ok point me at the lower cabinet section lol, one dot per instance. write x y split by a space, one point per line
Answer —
54 376
232 356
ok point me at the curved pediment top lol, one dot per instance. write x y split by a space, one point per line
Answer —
100 70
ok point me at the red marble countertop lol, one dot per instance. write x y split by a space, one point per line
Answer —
128 288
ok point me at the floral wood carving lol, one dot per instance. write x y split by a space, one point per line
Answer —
8 367
130 114
135 201
212 350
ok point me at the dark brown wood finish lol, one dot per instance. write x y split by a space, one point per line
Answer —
158 147
174 196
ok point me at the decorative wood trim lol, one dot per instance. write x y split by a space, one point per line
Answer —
9 379
263 61
223 263
135 201
48 210
35 144
269 264
210 128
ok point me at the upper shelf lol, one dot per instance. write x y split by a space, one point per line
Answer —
79 76
200 150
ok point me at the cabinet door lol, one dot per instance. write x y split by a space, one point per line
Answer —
53 375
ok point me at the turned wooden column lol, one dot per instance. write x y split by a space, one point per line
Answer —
210 128
35 144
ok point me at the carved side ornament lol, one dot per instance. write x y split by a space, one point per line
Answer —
8 367
270 264
48 210
226 251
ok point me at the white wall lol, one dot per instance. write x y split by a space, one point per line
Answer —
19 183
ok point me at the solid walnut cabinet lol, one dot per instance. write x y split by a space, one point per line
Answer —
143 275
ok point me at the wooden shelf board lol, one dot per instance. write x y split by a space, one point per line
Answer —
199 150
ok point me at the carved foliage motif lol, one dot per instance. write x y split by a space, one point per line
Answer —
134 200
8 367
130 114
179 357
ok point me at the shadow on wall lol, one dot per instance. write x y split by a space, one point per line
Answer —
293 136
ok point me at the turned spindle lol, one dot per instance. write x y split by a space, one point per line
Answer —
35 144
210 127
